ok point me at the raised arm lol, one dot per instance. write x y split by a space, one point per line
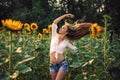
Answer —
57 20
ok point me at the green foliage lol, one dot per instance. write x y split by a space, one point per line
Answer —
94 61
21 52
30 56
44 11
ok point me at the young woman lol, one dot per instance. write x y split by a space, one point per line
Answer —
58 63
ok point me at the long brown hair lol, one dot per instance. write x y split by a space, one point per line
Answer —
77 30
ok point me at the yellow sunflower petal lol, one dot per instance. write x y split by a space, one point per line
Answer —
40 36
95 29
12 24
50 28
34 26
27 26
45 31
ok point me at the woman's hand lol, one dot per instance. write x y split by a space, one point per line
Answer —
69 15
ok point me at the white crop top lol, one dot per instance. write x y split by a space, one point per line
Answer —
59 48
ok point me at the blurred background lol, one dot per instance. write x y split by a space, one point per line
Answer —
44 11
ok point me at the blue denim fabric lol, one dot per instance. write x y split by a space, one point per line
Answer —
63 65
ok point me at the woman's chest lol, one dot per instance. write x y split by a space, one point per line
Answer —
59 43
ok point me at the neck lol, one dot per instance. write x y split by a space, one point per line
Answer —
61 36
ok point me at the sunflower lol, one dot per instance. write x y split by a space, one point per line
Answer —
3 22
12 24
45 31
27 26
40 36
50 28
95 29
34 26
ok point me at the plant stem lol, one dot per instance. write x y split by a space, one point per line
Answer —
10 53
105 44
104 49
91 42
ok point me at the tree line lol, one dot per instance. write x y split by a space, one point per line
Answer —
44 11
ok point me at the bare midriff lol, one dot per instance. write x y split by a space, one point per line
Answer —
53 60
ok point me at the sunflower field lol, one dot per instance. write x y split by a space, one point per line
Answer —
24 53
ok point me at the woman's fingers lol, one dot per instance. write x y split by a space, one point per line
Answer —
70 15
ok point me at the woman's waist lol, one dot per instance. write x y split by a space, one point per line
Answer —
59 55
55 52
59 62
55 60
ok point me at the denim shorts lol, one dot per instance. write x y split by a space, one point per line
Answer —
63 65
